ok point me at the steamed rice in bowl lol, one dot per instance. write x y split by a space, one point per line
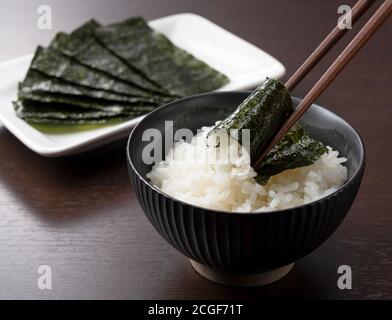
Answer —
227 183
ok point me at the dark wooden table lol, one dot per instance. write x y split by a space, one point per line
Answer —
80 216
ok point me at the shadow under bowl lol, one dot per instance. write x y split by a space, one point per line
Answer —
244 249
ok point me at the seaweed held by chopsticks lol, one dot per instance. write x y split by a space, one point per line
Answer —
84 48
150 52
263 112
296 149
37 81
54 64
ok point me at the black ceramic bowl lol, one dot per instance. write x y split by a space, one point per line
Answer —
243 248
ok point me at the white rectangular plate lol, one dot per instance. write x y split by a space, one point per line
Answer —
244 64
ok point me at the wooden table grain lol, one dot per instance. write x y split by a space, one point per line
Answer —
80 216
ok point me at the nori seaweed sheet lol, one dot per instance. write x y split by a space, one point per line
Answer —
150 52
31 109
81 80
54 64
100 121
81 102
37 81
84 48
38 112
263 112
296 149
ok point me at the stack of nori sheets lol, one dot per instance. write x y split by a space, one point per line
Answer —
97 74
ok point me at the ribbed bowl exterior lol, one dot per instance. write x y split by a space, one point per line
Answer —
244 242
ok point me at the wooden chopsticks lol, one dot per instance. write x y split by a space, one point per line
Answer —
377 19
327 44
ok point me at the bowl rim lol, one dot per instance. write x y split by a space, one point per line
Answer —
334 194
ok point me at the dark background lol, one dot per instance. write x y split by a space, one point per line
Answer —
80 216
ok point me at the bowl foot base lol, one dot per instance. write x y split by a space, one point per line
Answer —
241 280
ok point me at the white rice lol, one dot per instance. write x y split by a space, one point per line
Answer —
228 184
